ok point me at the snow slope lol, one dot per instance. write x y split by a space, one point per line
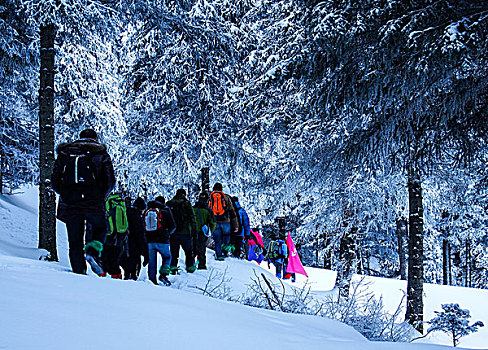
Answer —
44 305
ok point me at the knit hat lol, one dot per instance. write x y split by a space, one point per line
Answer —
139 204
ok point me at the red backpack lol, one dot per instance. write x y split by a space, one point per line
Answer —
218 205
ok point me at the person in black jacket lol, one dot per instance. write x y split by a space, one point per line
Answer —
83 176
185 227
159 225
204 217
131 262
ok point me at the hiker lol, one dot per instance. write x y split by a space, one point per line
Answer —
255 247
83 176
116 243
158 228
204 228
277 253
244 229
131 262
221 206
185 226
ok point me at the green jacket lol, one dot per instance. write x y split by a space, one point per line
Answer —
183 215
207 217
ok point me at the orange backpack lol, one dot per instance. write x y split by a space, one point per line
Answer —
218 205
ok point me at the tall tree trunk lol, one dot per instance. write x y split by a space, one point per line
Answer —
446 256
401 231
47 198
328 252
467 256
445 262
205 180
449 267
347 255
2 164
415 305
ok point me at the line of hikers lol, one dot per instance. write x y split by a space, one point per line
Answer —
117 232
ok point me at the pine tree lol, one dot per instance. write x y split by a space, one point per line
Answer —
453 321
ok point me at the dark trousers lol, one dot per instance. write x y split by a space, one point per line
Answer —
131 265
75 225
185 242
112 253
237 243
201 250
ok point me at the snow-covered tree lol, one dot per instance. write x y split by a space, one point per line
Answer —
454 321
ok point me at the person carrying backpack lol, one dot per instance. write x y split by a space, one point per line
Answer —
221 206
185 226
277 253
204 228
244 228
83 176
158 228
116 243
131 262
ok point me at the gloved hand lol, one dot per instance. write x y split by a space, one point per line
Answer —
145 261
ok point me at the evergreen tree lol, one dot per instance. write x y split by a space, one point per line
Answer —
453 321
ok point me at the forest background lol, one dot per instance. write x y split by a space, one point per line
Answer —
364 123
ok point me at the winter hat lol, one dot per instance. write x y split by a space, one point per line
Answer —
160 199
218 186
89 134
203 197
180 192
139 204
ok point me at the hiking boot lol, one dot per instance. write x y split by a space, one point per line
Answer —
174 270
104 274
118 276
95 265
191 269
220 258
165 270
164 279
203 267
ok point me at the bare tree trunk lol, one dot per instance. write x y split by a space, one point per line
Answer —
415 305
328 252
347 255
47 197
401 231
446 257
467 282
450 264
2 164
205 180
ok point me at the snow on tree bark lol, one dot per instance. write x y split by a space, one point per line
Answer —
47 197
347 254
414 314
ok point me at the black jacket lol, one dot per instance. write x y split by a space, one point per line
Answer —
99 183
163 234
137 239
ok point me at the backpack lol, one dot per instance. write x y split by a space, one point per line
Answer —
78 177
277 249
218 205
153 219
117 214
177 212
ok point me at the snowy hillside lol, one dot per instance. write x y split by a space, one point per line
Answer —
44 305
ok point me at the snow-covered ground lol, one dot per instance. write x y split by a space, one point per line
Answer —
44 305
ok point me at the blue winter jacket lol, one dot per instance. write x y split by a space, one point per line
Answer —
244 219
